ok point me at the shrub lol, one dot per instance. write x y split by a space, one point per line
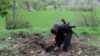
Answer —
88 20
19 23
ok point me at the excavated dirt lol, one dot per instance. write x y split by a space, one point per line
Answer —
36 44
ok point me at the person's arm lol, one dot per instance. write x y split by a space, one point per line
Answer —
53 39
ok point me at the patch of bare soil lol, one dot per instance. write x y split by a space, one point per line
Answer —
36 44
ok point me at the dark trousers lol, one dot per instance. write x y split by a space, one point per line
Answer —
65 40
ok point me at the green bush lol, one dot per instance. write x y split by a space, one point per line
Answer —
86 8
39 6
19 23
88 19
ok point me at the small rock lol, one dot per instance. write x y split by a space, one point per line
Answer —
42 52
73 51
79 52
85 55
38 51
9 38
1 49
79 48
31 52
88 39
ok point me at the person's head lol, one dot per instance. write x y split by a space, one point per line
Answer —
55 29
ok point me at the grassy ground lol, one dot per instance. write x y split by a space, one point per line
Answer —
42 21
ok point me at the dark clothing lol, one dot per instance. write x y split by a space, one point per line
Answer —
67 41
61 38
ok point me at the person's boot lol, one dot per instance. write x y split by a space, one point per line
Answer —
56 48
63 54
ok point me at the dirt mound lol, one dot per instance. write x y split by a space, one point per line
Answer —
34 46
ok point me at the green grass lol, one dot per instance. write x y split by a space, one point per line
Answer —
46 31
45 19
42 21
88 30
6 33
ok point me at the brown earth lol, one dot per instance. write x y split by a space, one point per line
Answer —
35 45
